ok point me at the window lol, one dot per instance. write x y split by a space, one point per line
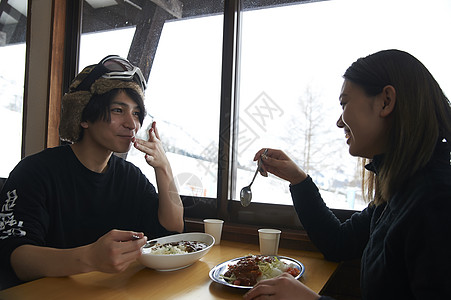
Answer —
13 25
292 60
183 98
288 66
183 70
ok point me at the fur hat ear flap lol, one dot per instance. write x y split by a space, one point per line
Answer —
72 109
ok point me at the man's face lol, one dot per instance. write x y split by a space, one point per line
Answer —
118 134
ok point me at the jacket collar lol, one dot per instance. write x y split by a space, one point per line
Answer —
375 163
441 155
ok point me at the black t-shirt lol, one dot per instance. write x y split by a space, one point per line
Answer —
51 199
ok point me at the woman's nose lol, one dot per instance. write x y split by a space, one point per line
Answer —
340 123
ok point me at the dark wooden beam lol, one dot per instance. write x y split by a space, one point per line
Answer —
174 7
16 33
130 12
111 17
10 10
147 35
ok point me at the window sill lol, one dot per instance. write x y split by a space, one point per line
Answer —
290 239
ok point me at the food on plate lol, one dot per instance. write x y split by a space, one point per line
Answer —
251 269
181 247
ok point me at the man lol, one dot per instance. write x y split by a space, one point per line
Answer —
78 208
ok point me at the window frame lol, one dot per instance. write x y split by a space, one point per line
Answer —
240 227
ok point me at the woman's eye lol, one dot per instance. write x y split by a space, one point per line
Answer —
116 110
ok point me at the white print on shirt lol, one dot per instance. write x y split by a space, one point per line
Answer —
7 218
10 202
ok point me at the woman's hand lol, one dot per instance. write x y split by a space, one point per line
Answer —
279 164
284 287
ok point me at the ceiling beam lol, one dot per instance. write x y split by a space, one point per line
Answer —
174 7
147 35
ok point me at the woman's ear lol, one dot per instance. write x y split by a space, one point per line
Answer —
389 100
84 125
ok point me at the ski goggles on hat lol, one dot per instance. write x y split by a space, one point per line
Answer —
112 67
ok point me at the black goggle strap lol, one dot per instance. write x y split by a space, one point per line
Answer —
95 74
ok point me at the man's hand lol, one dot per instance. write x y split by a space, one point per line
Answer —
153 149
115 251
170 209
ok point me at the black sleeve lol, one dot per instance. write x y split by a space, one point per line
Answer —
336 240
23 219
426 249
150 223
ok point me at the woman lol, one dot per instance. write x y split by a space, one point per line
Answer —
395 117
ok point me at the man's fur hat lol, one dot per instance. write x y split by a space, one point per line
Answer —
75 101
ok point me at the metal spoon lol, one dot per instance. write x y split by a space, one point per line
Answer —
149 244
246 193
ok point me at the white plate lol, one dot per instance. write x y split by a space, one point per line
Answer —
219 270
172 262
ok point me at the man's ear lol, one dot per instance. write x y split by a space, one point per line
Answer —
84 125
389 100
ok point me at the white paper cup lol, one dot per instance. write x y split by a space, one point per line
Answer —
269 241
214 227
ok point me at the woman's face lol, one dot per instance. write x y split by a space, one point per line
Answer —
365 129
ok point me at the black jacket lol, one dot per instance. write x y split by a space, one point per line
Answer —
403 245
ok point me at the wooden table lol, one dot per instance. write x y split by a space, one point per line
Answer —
139 282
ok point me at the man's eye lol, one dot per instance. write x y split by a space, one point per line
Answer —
116 110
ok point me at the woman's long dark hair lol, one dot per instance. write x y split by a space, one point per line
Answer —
422 116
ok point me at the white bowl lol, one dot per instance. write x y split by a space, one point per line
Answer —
171 262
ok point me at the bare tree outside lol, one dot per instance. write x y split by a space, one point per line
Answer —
309 135
318 151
